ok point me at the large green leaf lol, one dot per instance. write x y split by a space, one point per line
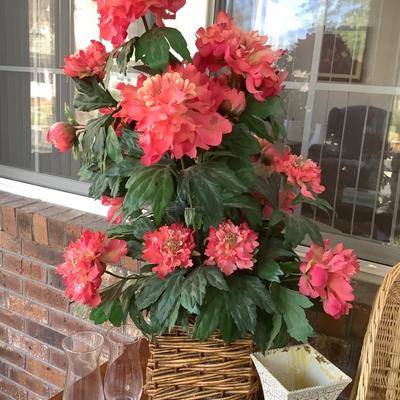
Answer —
125 54
150 186
241 142
177 42
194 290
91 96
152 49
112 146
291 305
151 292
297 227
215 278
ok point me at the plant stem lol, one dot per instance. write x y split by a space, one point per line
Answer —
146 25
127 278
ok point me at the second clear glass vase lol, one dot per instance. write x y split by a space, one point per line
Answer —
124 378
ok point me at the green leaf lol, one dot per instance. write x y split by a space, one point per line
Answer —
194 290
152 49
93 129
209 318
297 227
162 309
269 270
98 315
250 206
70 117
291 305
117 316
150 186
125 54
129 143
151 292
137 317
112 146
276 328
91 96
256 126
215 278
177 42
270 107
241 142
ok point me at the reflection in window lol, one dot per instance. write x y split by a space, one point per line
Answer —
343 105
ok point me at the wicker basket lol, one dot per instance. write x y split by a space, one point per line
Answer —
181 368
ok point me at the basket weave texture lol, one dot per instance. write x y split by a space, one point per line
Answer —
379 371
181 368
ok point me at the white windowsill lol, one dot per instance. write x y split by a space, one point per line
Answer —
370 272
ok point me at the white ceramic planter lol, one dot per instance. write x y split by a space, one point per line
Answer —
298 373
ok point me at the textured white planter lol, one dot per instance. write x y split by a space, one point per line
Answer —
298 373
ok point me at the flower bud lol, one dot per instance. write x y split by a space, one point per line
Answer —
62 135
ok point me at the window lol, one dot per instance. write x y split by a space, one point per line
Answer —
343 107
36 35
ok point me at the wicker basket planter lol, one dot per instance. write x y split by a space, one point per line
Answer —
181 368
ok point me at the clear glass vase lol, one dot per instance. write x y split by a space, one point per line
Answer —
83 380
124 378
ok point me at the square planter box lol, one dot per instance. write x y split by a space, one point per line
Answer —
298 373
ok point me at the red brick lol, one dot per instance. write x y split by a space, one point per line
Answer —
70 215
8 242
45 372
44 334
12 263
3 369
34 270
27 344
6 197
32 396
24 223
56 233
85 220
130 264
72 232
10 281
58 359
29 381
3 333
28 309
46 295
8 353
42 253
55 280
68 324
100 225
12 389
3 298
9 318
40 234
9 222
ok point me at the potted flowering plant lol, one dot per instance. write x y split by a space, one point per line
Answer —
200 187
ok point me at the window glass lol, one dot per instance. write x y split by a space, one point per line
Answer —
343 108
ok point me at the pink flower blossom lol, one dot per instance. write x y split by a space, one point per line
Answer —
85 264
176 113
326 274
231 247
114 214
286 205
62 135
88 62
170 247
245 53
117 15
232 102
304 174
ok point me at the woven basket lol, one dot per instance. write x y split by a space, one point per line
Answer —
378 376
181 368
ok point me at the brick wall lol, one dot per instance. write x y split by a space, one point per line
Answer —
35 316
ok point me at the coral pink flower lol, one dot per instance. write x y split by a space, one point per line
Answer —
231 247
170 247
88 62
62 135
245 53
304 174
326 274
176 113
232 102
117 15
85 264
286 205
115 207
